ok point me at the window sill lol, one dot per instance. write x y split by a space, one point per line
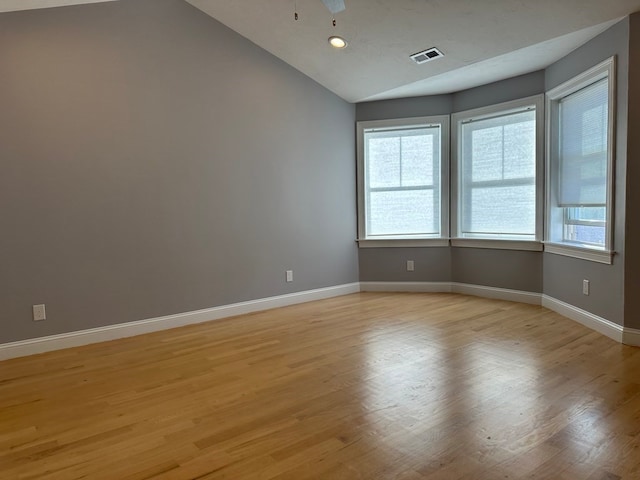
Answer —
526 245
584 253
402 242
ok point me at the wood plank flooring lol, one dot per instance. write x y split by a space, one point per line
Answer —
365 386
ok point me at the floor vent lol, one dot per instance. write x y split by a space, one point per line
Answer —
426 56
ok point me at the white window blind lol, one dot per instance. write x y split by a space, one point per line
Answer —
402 181
498 176
583 122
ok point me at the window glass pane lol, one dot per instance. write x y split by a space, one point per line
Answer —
585 234
587 214
401 158
384 162
500 210
417 160
502 147
403 212
590 234
585 225
486 154
520 148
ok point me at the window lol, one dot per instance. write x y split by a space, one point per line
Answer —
403 181
580 156
497 173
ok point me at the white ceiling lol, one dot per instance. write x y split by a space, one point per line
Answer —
13 5
483 40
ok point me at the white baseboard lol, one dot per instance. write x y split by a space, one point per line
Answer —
497 293
631 336
22 348
425 287
112 332
464 288
589 320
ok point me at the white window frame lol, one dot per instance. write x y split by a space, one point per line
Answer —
442 121
497 242
554 213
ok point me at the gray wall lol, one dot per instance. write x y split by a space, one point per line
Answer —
155 162
632 256
563 276
512 269
404 108
557 276
390 264
510 89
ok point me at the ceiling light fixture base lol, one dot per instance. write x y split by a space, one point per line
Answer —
337 42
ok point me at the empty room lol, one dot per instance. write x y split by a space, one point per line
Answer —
319 239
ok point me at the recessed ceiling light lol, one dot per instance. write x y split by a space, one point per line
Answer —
337 42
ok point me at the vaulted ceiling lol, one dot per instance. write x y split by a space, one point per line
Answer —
483 40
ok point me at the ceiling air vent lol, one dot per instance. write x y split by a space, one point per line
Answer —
426 56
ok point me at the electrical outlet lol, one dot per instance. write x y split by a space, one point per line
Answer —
410 266
289 276
39 313
585 287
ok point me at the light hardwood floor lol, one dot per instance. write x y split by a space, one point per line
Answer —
365 386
